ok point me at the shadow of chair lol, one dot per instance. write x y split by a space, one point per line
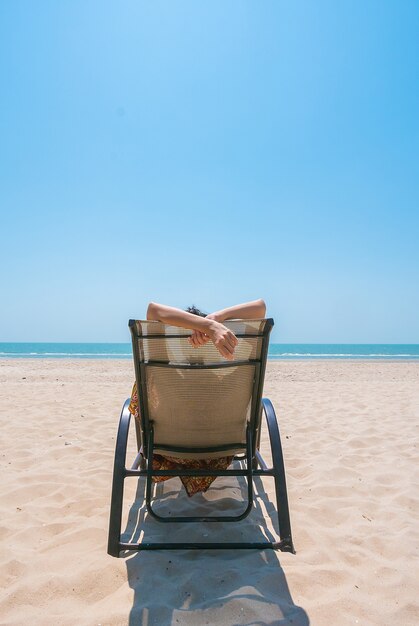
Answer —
194 587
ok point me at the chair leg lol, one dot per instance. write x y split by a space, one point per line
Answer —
138 434
286 544
255 462
142 464
115 517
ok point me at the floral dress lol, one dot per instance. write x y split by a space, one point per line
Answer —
192 484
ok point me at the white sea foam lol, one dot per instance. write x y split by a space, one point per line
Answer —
343 354
85 353
23 354
39 351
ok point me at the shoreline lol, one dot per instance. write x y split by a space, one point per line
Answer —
270 359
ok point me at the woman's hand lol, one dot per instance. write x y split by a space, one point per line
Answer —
199 338
223 339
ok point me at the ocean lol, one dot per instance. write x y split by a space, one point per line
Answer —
277 351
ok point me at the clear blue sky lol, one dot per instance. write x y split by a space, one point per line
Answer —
209 153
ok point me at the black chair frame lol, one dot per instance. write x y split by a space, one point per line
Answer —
251 461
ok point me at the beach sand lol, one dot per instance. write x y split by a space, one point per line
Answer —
349 433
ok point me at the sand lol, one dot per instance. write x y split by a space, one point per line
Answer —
349 434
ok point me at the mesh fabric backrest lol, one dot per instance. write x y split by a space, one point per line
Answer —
198 407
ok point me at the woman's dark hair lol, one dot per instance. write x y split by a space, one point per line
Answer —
195 311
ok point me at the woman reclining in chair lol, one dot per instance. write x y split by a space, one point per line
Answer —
205 328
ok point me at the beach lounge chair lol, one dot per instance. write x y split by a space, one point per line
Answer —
195 404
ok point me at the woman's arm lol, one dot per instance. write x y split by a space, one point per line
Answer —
224 340
248 310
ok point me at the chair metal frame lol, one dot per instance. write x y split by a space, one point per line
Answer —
251 460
